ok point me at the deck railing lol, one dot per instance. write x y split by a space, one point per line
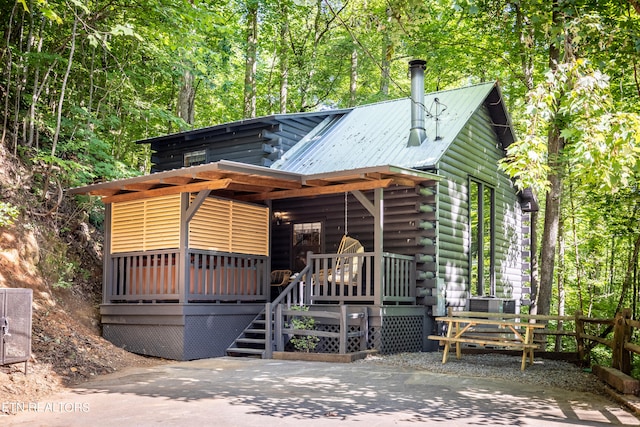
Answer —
156 276
227 277
357 284
398 286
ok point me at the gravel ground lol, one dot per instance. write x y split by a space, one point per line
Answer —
550 373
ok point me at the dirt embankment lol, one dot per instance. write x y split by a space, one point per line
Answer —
52 248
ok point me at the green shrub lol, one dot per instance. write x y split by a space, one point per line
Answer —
8 214
305 343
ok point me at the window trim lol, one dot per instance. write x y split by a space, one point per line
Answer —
186 158
480 288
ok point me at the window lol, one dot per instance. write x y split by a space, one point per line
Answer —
482 254
306 237
194 158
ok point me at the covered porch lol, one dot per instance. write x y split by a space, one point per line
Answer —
198 275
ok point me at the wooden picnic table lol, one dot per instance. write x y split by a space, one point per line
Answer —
460 329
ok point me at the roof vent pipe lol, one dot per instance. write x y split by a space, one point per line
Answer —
417 133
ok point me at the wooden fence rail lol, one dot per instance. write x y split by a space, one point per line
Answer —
344 318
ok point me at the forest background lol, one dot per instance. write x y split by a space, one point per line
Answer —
81 81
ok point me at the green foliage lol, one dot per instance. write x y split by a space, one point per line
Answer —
58 267
600 145
8 214
305 343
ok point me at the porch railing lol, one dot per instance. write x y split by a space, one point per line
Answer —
310 287
357 284
212 276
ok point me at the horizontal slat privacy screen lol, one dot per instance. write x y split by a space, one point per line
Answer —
147 224
228 226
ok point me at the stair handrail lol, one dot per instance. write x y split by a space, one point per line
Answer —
289 296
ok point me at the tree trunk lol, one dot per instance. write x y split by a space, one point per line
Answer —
555 145
283 57
387 54
65 79
551 224
186 98
353 83
7 89
629 274
251 60
526 37
32 140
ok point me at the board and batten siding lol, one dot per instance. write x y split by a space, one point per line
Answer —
475 154
219 225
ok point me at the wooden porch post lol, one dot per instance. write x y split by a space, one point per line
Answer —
378 244
183 262
188 209
107 263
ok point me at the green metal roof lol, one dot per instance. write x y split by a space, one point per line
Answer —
377 134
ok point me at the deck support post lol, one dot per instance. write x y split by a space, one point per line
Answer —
107 261
378 246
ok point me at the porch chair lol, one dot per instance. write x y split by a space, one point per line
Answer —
345 269
280 279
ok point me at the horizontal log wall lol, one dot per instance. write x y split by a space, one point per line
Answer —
410 226
476 153
258 144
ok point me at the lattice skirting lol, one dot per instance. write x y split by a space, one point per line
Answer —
396 335
200 336
401 334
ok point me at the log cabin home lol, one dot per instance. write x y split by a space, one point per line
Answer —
190 248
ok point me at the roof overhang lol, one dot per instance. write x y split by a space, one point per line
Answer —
252 183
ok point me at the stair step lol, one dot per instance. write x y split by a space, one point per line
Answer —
255 331
251 340
240 350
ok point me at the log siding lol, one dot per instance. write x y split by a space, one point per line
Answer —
475 154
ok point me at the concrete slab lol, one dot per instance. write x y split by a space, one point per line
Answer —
254 392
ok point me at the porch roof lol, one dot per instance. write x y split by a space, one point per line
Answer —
241 181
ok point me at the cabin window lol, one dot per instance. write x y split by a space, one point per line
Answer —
194 158
307 236
482 254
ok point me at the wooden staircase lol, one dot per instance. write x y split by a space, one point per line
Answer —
252 341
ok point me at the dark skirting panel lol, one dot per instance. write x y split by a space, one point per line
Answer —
177 332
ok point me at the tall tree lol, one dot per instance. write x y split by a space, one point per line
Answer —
251 59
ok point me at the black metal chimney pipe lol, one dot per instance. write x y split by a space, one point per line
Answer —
417 134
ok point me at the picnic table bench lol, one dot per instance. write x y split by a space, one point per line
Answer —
471 328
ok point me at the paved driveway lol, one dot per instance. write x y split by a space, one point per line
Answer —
254 392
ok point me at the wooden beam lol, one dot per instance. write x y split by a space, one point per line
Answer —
247 188
189 188
318 191
252 180
177 180
364 202
196 203
140 186
212 175
317 182
405 182
261 181
104 192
